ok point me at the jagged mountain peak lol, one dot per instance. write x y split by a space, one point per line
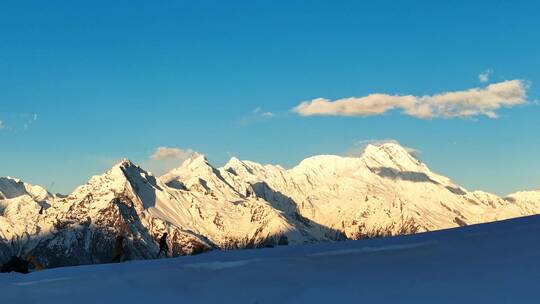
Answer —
11 187
128 168
124 163
196 164
194 161
389 145
123 169
14 179
391 155
114 180
325 163
197 160
233 162
238 166
387 149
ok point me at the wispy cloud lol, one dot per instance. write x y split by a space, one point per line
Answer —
164 159
484 76
29 120
261 112
256 116
19 122
458 104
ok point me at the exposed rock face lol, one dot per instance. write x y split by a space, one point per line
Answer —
385 191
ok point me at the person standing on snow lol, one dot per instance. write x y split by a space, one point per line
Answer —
118 249
163 247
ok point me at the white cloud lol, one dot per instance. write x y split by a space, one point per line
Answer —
261 112
461 104
163 159
30 119
484 76
164 153
258 115
268 114
19 122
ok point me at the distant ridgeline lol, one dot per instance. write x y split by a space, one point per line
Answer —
383 192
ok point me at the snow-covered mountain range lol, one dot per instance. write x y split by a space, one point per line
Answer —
385 191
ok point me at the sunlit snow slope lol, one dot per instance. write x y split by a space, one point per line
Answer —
486 263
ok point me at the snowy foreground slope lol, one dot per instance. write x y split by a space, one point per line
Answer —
385 191
487 263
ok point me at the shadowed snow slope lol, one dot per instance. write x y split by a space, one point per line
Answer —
486 263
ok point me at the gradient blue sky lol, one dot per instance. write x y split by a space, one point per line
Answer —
109 79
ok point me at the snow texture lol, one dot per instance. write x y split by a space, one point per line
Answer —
486 263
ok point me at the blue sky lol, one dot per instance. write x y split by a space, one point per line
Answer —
84 84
